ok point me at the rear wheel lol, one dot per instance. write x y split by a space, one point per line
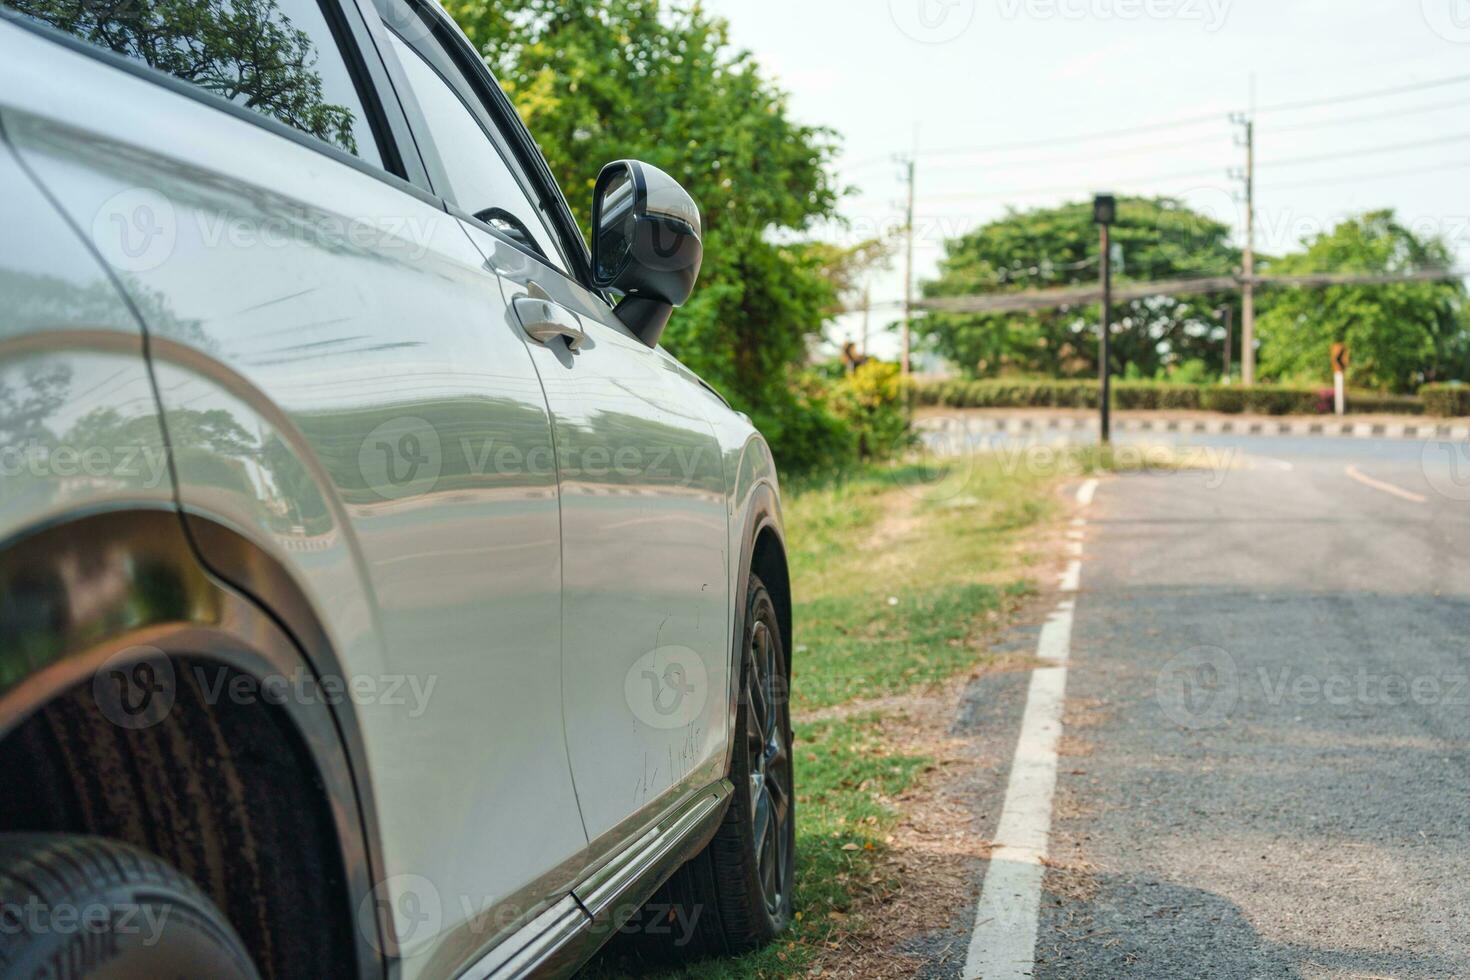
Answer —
736 894
77 906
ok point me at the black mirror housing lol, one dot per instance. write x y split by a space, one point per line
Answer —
646 243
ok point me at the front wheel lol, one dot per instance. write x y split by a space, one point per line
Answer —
736 894
74 906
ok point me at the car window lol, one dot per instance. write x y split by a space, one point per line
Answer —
481 182
277 57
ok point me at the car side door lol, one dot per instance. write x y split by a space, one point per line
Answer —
645 597
335 367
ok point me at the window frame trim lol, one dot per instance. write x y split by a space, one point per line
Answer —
528 165
489 129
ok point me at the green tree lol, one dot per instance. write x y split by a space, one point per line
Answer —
1400 335
612 79
1049 247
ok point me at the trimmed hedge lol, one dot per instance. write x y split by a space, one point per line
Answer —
1008 394
1154 396
1446 401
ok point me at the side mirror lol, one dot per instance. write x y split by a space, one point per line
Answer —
645 244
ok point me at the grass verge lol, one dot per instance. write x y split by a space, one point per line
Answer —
900 574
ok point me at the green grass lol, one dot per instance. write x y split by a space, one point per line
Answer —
899 573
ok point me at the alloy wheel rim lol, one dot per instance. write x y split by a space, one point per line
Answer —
769 751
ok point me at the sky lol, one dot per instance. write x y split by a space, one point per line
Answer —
953 79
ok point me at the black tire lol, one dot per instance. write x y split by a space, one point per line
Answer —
721 902
74 906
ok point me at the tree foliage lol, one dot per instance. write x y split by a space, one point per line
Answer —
1400 335
1160 239
613 79
247 51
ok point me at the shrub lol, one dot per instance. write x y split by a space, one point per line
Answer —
1376 403
804 432
1146 395
1156 396
1446 400
874 404
1223 398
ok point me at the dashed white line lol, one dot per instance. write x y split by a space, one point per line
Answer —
1400 492
1003 945
1280 464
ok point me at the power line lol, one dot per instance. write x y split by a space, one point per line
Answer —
1369 117
1366 151
1198 120
1354 178
1073 158
1215 117
1196 141
1364 96
1074 188
1192 174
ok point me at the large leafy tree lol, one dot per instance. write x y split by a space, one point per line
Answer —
611 79
1400 335
1048 247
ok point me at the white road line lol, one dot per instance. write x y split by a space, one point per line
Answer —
1055 642
1003 946
1280 464
1400 492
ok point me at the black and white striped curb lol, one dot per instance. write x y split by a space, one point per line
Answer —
1033 425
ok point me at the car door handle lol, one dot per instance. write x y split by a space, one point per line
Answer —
544 321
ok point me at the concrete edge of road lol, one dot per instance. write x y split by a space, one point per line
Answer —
1027 424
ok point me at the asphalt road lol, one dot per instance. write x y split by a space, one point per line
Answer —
1264 769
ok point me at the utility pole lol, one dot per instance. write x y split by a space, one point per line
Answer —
1104 213
1248 298
867 314
908 272
1228 314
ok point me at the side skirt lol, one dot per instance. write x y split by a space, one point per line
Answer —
561 939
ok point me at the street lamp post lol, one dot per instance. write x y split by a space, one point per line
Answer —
1104 213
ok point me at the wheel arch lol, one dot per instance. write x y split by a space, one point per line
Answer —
762 551
112 586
